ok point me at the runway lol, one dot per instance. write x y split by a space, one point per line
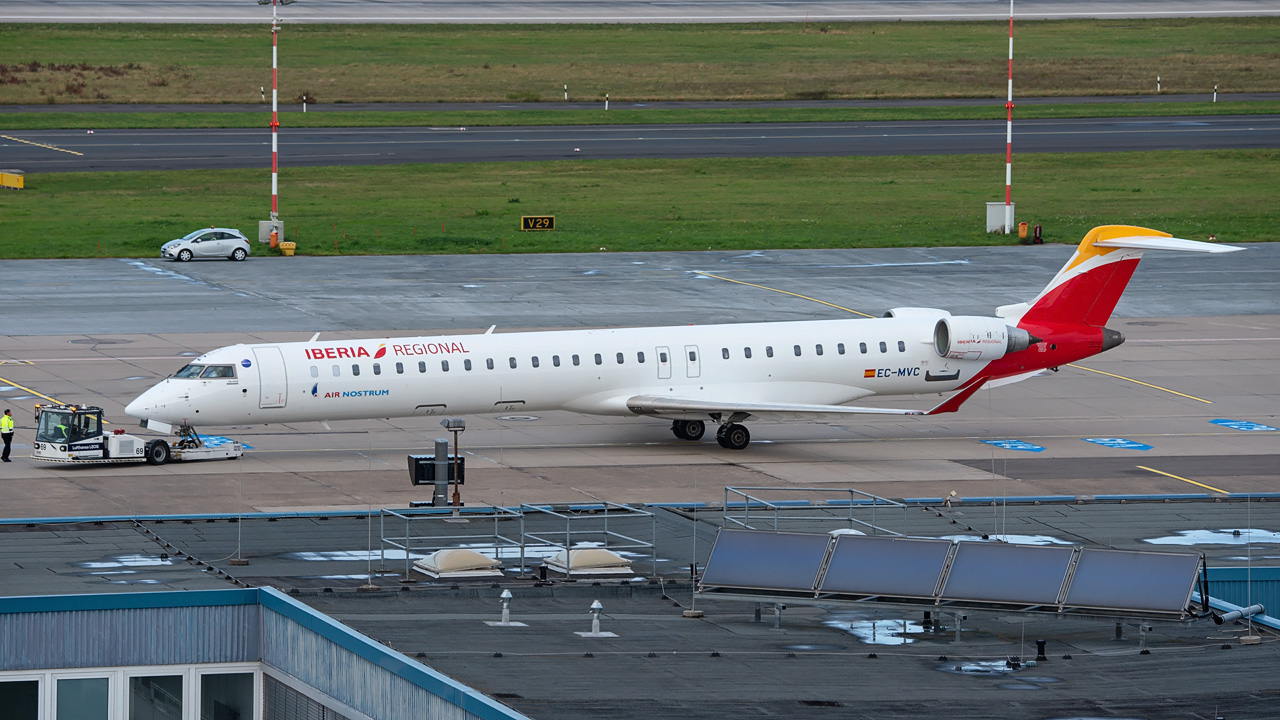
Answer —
625 11
1179 371
130 150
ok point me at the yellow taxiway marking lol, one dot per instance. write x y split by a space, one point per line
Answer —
51 147
784 292
1157 387
1176 477
33 392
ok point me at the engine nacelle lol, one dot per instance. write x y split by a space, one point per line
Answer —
978 338
916 312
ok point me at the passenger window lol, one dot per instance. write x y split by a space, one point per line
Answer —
862 347
818 349
512 362
355 369
337 371
534 361
840 348
489 363
746 353
902 347
619 358
315 371
466 364
399 368
575 361
599 360
768 351
724 353
884 348
693 356
797 349
555 360
640 357
444 365
422 366
662 357
377 368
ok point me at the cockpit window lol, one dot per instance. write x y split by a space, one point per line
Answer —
219 371
190 371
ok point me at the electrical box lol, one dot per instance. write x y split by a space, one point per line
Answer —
422 469
266 226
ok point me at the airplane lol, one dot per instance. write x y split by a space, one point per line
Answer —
691 375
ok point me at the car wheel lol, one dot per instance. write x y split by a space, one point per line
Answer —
239 254
184 255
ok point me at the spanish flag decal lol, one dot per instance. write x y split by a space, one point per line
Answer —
868 373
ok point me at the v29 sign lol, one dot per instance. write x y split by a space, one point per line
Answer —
538 222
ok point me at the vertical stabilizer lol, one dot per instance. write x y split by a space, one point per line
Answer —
1085 291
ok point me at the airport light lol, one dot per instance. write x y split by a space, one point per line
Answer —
1008 139
455 426
275 122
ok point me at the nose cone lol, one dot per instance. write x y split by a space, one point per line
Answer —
147 406
138 408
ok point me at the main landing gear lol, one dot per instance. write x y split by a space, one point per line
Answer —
688 429
731 436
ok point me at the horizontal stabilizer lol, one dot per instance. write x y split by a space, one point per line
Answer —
1150 242
656 405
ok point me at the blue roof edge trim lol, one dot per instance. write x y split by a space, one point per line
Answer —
127 601
390 660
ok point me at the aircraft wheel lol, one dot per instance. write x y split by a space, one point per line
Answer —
694 429
688 429
157 452
733 436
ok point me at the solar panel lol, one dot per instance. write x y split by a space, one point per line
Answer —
1010 574
864 565
1120 579
765 560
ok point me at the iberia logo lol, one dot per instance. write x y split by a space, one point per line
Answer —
382 350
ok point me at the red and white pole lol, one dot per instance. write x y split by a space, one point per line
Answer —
1008 138
275 122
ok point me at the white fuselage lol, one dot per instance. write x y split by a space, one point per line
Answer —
827 362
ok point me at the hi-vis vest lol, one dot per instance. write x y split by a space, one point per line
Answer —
6 423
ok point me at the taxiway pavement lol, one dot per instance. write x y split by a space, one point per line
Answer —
1189 370
130 150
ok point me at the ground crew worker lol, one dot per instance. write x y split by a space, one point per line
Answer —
6 434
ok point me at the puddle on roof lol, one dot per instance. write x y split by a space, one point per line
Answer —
1228 536
1014 539
893 631
118 561
993 668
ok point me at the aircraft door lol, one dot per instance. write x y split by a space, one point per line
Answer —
273 379
692 365
664 362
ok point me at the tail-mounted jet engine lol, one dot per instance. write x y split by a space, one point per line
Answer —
978 338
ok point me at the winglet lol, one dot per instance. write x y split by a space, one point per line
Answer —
954 402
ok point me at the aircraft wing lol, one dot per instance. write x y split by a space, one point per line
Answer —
663 405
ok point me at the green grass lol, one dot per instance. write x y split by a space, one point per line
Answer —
477 118
125 63
652 204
